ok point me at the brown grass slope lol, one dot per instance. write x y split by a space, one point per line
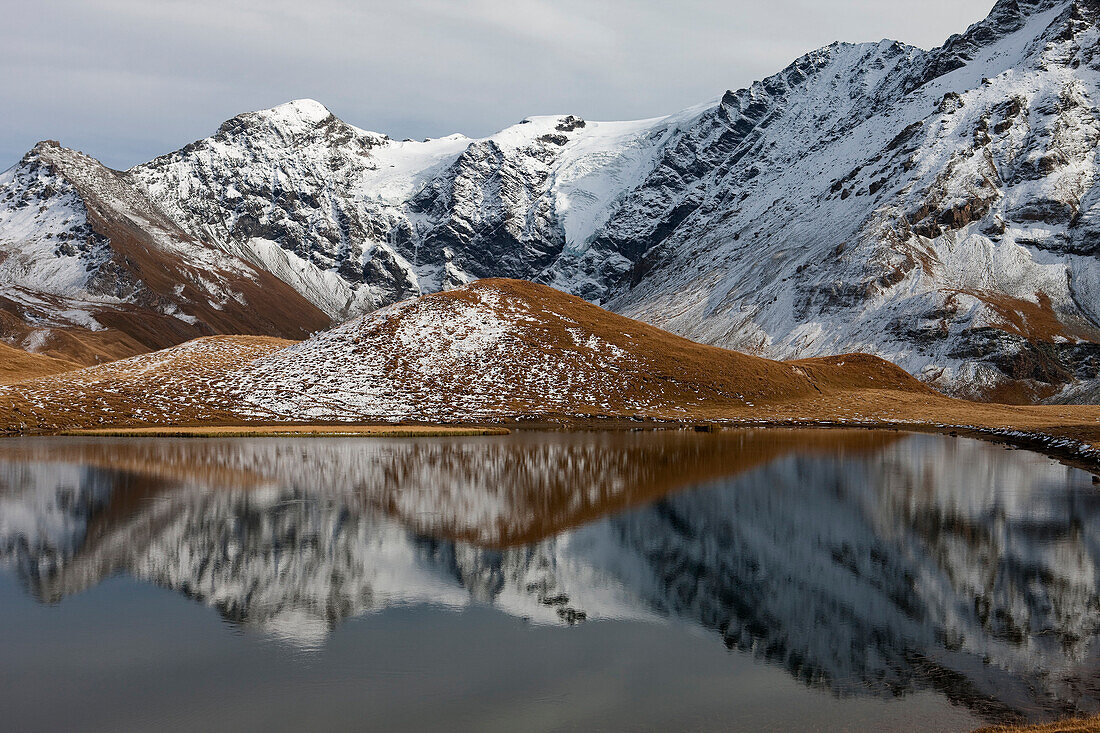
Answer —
174 386
690 372
17 365
501 350
506 348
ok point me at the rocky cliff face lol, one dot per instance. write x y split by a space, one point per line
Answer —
934 207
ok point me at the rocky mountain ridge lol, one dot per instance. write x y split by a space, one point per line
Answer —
934 208
95 270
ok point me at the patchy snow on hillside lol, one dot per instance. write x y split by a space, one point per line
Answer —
469 356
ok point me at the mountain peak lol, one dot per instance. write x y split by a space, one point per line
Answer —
1006 18
42 150
72 164
1010 15
304 110
299 116
45 150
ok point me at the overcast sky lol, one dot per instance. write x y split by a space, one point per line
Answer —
125 80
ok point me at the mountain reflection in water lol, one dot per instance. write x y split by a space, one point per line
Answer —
866 563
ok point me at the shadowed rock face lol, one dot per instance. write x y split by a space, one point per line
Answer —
870 197
865 564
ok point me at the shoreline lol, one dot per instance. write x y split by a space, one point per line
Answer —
284 431
1066 450
1054 443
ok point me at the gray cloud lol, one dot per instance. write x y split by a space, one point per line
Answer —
125 80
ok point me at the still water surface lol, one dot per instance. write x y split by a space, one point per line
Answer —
743 580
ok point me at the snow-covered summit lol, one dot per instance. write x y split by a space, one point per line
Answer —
298 112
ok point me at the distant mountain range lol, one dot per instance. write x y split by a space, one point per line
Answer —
935 208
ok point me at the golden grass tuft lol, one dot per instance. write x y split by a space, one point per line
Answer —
1073 725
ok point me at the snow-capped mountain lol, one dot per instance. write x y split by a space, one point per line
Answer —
867 570
934 207
93 269
931 207
356 221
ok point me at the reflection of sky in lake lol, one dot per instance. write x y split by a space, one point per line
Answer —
859 566
129 656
